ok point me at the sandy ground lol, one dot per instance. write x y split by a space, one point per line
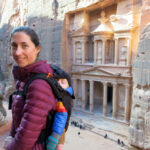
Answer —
88 141
91 138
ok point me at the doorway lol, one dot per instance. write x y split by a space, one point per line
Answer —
109 100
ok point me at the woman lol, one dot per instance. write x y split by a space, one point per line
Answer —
29 115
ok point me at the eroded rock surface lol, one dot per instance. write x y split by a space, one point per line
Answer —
140 116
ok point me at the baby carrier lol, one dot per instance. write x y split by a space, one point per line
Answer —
59 93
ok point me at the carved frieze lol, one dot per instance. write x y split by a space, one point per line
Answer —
122 22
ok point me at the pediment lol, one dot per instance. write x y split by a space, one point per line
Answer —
102 28
98 72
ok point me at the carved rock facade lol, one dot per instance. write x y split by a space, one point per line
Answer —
96 41
99 42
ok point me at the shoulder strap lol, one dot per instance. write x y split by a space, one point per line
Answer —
57 90
10 98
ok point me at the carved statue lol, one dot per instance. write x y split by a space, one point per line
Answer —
103 18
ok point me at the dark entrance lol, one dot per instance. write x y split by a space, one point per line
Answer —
109 100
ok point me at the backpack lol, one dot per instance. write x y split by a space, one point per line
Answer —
59 93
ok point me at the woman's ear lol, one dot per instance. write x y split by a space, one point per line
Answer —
38 48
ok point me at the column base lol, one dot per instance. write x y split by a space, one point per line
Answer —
105 114
91 108
83 106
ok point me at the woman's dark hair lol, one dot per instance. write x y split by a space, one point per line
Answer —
30 32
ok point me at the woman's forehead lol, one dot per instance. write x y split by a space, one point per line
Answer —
20 37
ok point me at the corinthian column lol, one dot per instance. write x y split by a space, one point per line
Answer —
103 51
116 51
105 98
95 51
75 90
115 100
74 52
127 102
83 51
129 53
83 94
91 96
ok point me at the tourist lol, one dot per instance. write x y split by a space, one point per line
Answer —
29 115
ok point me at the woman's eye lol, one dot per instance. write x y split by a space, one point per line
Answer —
13 47
24 46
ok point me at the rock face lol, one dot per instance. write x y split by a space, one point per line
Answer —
2 110
47 21
140 115
96 40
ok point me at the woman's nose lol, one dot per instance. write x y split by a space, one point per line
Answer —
18 51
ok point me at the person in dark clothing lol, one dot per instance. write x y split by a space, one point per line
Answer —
29 115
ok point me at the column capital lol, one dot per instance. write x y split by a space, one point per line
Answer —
104 40
82 79
84 40
127 85
116 38
114 83
105 83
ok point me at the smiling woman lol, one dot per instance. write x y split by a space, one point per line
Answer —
24 48
30 109
29 114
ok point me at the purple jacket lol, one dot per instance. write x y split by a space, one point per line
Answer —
29 116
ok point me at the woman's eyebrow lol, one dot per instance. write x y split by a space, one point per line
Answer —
13 43
23 43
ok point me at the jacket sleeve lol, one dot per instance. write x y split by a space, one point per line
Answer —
12 130
39 101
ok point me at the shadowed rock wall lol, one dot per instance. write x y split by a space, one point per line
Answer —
140 115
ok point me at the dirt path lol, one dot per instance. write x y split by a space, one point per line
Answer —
76 138
88 141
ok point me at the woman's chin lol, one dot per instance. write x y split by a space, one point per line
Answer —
21 65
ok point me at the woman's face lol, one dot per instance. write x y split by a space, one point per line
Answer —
23 49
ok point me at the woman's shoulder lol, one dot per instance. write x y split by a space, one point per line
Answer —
40 66
39 90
